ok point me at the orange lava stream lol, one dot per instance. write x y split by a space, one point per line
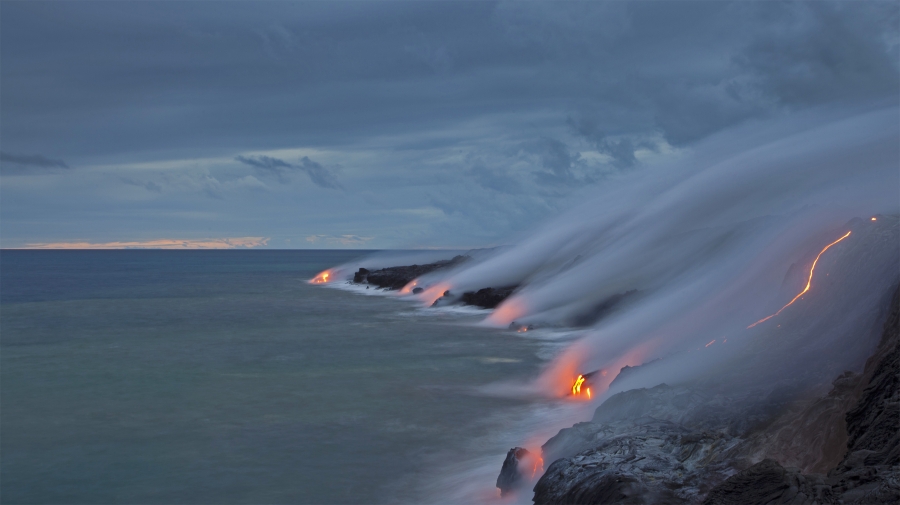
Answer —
576 388
808 282
322 278
534 470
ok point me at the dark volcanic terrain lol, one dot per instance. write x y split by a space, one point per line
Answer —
693 444
396 277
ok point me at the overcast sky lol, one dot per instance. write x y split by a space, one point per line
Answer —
388 124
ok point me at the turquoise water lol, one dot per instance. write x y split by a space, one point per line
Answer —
222 377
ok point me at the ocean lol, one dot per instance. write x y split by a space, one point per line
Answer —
143 376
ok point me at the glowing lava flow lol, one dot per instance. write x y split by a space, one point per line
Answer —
322 278
808 283
576 388
534 470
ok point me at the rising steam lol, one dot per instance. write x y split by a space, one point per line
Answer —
672 263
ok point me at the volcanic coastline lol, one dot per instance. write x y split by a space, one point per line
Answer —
699 443
692 444
396 278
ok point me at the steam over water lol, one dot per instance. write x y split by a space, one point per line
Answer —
671 264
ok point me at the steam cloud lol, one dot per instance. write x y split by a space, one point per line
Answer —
710 244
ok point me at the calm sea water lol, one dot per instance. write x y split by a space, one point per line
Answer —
222 377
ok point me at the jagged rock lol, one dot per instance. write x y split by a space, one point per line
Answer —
769 483
487 298
417 290
361 276
869 472
874 424
397 277
511 476
856 481
648 461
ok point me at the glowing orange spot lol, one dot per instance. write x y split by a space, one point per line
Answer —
873 219
433 293
711 343
576 388
589 392
409 287
808 282
534 470
507 312
322 278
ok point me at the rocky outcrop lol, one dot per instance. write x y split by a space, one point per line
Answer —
874 423
487 298
396 277
645 461
769 483
869 472
516 464
812 437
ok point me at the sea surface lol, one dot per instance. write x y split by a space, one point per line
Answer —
224 377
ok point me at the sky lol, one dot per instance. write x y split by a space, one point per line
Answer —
388 124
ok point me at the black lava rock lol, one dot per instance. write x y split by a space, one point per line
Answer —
487 298
396 277
768 483
510 476
361 276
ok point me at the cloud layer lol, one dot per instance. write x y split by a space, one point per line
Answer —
427 124
210 243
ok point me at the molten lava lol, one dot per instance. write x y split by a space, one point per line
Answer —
808 282
576 388
409 287
581 386
322 278
534 470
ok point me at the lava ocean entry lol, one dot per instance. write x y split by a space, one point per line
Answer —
659 275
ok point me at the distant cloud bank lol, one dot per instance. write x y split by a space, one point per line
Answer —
205 243
343 240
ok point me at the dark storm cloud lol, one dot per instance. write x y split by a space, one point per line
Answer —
32 160
621 149
557 160
281 170
274 74
494 107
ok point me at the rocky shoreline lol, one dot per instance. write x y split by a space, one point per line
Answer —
395 278
690 444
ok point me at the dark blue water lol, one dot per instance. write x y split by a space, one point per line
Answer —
223 377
